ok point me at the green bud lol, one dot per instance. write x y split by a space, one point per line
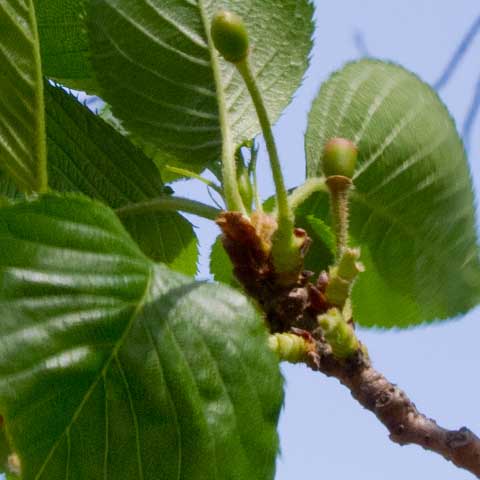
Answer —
338 289
339 158
338 333
348 266
343 276
328 321
230 36
289 347
245 187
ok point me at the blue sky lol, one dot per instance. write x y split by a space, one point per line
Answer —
324 432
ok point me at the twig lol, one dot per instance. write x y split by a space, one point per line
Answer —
397 412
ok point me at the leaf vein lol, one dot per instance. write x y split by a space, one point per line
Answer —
134 416
99 376
155 40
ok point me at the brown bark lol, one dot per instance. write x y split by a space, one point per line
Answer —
398 413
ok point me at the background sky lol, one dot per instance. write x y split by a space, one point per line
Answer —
324 433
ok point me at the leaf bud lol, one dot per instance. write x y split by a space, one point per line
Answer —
245 187
339 158
289 347
338 333
230 36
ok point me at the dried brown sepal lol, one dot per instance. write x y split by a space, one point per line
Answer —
248 249
287 302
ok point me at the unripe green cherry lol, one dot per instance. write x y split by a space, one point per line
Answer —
230 36
339 158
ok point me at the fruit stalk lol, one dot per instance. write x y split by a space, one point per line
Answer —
339 188
338 162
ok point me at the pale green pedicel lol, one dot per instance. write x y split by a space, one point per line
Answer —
412 207
232 197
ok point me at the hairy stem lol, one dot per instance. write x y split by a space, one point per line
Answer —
169 204
284 213
303 192
339 187
233 200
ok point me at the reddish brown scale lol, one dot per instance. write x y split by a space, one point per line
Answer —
287 304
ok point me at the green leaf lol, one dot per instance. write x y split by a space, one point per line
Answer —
64 43
161 158
114 367
412 209
5 450
87 155
8 465
8 188
321 253
220 264
168 97
22 125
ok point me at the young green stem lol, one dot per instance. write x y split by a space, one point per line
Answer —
169 204
339 188
285 217
286 248
305 191
256 192
233 200
189 174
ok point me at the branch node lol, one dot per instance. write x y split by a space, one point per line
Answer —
459 438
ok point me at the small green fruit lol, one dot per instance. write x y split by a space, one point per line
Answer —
339 158
230 36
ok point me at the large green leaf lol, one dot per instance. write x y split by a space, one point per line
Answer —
161 158
87 155
114 367
64 42
412 206
156 67
5 451
221 266
8 188
22 125
321 253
